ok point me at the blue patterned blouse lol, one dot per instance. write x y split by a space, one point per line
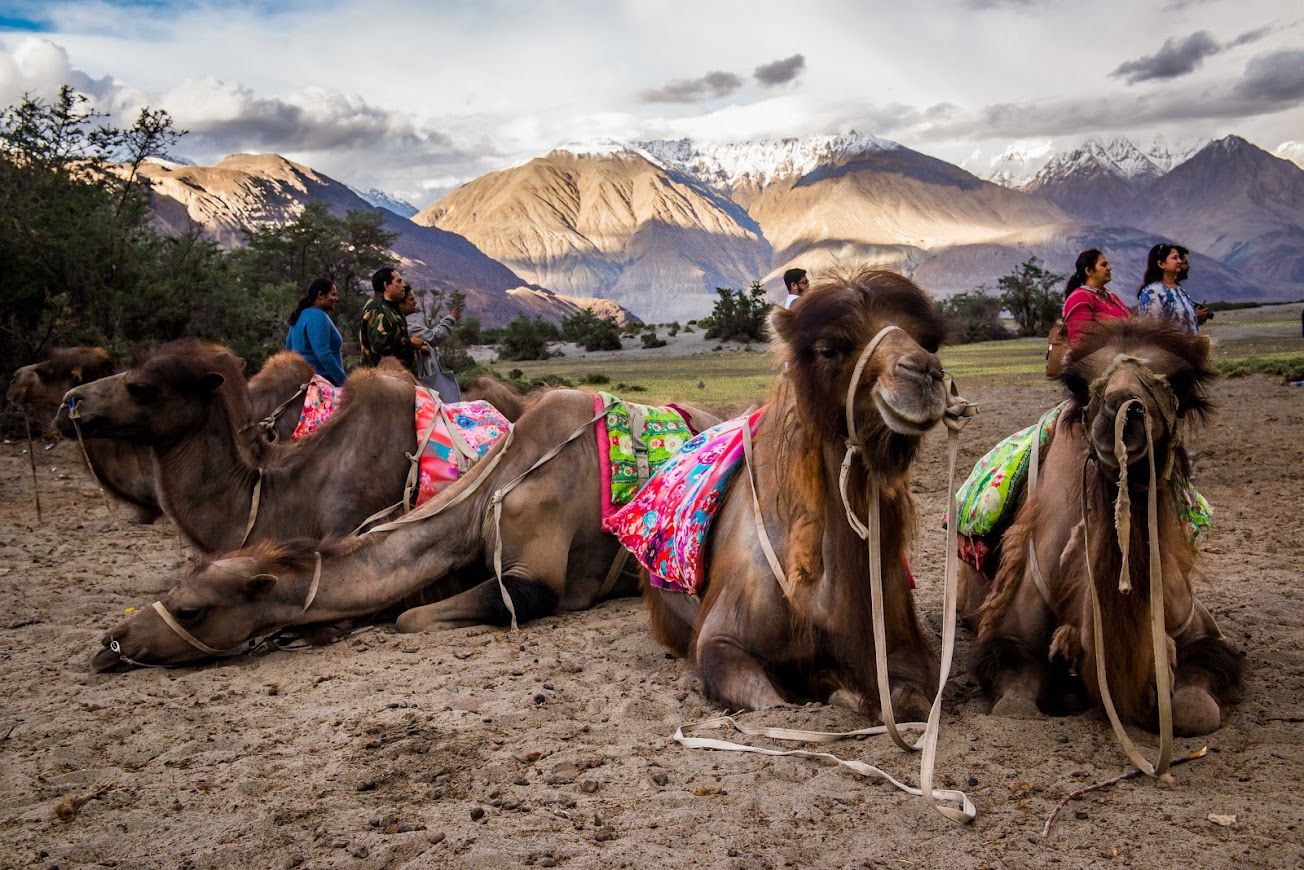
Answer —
1160 300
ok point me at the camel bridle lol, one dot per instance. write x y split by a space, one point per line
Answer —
247 646
956 415
1159 390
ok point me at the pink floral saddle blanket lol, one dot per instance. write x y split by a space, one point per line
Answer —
666 524
319 402
451 439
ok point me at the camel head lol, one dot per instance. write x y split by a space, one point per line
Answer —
823 336
1164 369
39 388
235 597
162 399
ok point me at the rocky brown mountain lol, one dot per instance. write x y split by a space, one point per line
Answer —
610 222
247 190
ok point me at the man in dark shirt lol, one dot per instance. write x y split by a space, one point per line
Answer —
384 330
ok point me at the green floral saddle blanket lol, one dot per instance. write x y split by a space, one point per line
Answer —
992 491
633 442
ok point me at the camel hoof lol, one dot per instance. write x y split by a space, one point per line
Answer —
1195 712
1016 707
910 705
410 623
847 700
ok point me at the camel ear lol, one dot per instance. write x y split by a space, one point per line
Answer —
259 585
210 381
76 375
784 324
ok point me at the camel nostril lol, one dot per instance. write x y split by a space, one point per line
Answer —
913 366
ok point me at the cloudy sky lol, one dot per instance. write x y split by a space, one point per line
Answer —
416 96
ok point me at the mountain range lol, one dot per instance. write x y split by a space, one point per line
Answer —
248 190
655 226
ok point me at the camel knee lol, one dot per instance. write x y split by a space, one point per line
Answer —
734 677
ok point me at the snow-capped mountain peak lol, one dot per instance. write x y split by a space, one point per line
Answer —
381 199
760 161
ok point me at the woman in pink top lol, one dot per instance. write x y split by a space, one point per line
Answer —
1086 299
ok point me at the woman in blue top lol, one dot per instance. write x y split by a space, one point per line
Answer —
313 335
1161 293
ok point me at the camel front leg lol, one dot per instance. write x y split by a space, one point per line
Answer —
1012 657
1207 675
734 677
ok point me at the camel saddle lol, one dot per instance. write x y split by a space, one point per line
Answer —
633 442
666 524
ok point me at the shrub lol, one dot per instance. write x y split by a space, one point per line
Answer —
739 315
527 338
650 340
595 378
591 331
972 317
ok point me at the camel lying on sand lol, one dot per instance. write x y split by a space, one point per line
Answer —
554 554
759 639
189 405
125 470
1035 620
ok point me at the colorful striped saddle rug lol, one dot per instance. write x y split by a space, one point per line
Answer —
451 438
666 523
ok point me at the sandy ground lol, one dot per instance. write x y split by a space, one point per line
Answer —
552 746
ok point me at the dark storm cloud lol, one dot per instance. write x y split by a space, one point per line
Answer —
708 87
780 72
1178 57
1272 82
1276 77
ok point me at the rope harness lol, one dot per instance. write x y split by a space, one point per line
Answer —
1166 402
956 416
267 425
248 646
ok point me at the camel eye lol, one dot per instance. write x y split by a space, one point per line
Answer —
188 614
143 393
829 353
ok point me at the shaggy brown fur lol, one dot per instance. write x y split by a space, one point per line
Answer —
753 646
1013 615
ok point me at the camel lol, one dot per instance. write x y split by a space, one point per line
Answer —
755 643
553 553
1032 635
126 471
188 404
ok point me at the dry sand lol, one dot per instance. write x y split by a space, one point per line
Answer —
552 746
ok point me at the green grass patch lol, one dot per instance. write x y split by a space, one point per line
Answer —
1289 366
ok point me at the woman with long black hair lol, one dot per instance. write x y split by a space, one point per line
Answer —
1161 293
1085 298
313 334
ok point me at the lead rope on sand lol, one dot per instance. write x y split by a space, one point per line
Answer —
31 458
956 415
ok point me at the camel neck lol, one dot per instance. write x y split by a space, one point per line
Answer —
388 567
207 481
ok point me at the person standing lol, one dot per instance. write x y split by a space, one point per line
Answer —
384 330
1161 293
313 334
1086 300
429 370
797 283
